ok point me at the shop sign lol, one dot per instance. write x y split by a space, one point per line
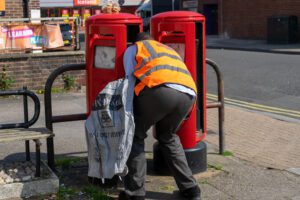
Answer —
76 13
65 13
2 7
86 2
87 13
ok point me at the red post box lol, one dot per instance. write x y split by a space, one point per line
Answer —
184 31
107 37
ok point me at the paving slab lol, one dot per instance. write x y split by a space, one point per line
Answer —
261 139
244 180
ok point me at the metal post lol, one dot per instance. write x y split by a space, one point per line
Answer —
219 104
77 39
38 158
25 106
48 108
173 6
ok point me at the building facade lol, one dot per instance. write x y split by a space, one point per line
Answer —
20 8
246 19
80 8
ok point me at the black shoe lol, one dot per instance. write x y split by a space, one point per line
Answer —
124 196
193 193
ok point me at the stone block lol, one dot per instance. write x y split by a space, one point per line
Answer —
48 183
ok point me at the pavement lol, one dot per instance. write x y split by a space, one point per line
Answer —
265 160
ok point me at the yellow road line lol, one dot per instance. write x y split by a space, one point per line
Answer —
259 107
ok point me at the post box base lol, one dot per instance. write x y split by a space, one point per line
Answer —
196 158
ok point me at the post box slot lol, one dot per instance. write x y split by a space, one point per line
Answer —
104 57
132 31
106 35
174 33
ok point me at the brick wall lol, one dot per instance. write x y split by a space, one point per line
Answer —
248 18
34 4
32 70
15 8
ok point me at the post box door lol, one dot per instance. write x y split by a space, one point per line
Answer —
107 44
180 36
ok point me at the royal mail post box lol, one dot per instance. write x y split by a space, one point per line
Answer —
184 31
107 37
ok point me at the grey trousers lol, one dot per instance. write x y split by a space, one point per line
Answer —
167 108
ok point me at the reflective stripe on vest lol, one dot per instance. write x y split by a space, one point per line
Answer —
159 67
158 64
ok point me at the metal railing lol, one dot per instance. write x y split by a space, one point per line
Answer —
219 104
27 123
49 118
25 93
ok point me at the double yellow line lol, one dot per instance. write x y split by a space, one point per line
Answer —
254 106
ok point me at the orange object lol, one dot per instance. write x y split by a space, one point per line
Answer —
2 5
53 36
86 2
158 64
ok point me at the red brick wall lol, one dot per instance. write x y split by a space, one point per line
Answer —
14 8
248 18
34 4
33 70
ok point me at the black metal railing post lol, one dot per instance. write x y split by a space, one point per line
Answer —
37 107
49 118
219 104
25 107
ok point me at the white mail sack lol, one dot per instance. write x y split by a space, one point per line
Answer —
110 130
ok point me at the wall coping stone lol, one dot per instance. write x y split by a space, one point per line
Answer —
38 55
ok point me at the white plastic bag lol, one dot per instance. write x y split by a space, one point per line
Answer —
110 130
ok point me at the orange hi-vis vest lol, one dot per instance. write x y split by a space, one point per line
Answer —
159 64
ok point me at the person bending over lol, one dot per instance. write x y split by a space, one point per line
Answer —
165 92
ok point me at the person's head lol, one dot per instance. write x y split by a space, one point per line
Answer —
115 8
143 36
